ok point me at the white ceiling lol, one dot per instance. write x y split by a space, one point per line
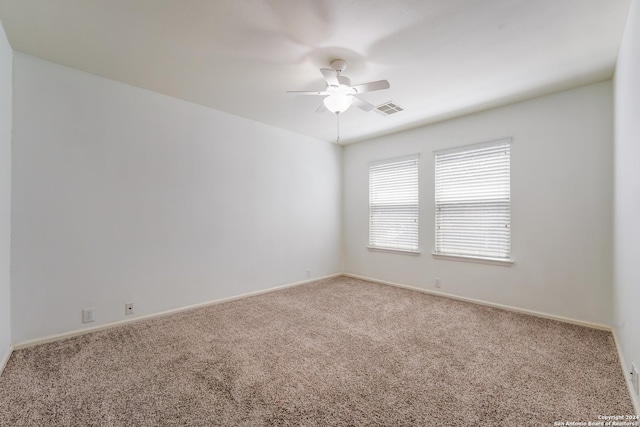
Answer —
443 58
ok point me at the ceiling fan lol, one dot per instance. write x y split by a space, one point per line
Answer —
339 94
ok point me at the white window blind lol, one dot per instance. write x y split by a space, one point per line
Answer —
393 204
473 202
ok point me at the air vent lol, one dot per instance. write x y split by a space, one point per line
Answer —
389 108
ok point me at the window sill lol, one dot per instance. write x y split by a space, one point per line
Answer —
479 260
395 251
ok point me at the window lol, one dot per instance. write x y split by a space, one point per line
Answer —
393 204
473 206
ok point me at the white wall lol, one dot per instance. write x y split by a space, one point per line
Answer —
561 182
6 90
626 290
122 194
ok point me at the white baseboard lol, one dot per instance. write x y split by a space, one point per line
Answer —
487 303
5 359
627 376
77 332
50 338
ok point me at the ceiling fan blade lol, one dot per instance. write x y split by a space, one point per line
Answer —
371 86
321 108
307 92
363 105
330 76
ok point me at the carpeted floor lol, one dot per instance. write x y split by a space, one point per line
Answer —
339 352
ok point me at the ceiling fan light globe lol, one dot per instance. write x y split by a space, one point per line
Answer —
338 103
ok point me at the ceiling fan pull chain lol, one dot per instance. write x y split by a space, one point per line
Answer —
338 132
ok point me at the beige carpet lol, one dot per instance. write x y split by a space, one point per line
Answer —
337 352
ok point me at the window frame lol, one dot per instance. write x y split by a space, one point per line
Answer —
414 250
466 257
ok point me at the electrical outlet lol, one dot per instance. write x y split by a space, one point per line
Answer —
88 315
438 283
634 379
128 308
308 273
